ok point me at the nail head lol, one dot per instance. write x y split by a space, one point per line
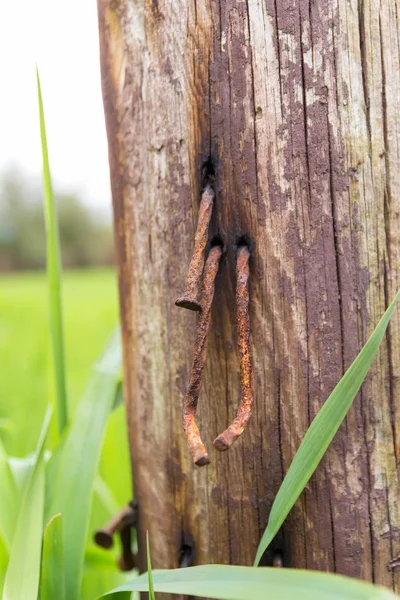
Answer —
103 539
189 303
202 461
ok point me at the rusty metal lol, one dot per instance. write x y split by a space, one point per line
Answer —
126 518
197 448
235 429
126 561
190 298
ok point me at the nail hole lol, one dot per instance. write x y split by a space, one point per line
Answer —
244 240
185 556
216 241
208 170
186 552
276 556
277 559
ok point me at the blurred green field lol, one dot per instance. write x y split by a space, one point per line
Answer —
90 316
90 310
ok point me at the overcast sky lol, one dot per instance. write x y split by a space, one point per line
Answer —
61 38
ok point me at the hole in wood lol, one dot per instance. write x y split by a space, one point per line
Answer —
216 240
244 240
274 556
208 171
186 552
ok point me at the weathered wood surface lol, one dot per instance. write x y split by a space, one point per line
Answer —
299 104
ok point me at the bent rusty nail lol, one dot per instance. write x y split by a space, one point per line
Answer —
226 439
190 298
126 518
196 446
126 561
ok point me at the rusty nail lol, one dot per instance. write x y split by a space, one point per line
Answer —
190 298
126 561
197 448
125 519
226 439
277 560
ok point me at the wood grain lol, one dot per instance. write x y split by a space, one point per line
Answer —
298 104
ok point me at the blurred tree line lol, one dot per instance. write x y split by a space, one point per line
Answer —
86 238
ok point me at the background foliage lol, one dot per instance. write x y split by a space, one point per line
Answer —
90 315
85 234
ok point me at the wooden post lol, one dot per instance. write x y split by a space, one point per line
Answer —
297 105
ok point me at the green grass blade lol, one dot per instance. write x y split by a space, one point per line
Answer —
54 277
6 425
8 500
52 583
105 496
119 397
72 491
21 469
321 432
149 571
22 577
248 583
101 573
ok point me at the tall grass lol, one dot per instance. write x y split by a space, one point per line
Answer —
250 583
23 572
53 276
321 432
46 559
